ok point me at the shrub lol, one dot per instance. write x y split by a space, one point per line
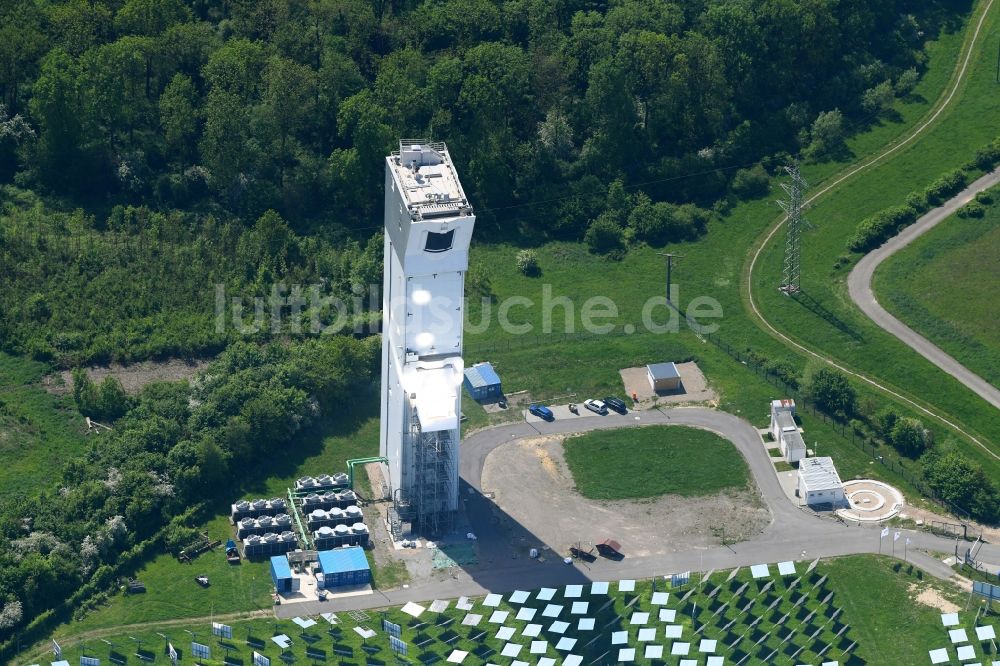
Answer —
972 209
113 400
874 230
958 480
85 393
907 81
945 186
985 197
988 156
527 262
832 393
909 437
751 183
917 201
661 222
883 423
827 135
878 99
604 235
785 371
177 537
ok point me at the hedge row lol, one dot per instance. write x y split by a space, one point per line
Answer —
883 225
875 230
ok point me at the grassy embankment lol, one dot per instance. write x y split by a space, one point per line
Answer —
37 429
890 628
943 285
651 461
825 319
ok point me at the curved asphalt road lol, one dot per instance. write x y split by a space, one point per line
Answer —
794 533
859 285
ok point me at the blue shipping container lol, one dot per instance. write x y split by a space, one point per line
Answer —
482 383
281 574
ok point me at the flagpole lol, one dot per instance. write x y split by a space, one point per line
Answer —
894 547
880 542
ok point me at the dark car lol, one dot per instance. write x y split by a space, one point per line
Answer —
616 404
542 412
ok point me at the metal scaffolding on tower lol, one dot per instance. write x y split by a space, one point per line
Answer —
428 507
794 207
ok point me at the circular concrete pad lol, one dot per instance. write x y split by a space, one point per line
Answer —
871 501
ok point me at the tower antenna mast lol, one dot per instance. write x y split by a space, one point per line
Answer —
793 207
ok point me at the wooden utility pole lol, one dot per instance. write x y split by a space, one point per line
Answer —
670 266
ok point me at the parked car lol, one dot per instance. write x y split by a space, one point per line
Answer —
596 406
542 412
616 404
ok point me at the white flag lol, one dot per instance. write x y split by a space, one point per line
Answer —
895 537
172 652
56 650
908 542
885 533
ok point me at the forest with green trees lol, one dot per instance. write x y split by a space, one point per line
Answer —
183 145
176 451
155 151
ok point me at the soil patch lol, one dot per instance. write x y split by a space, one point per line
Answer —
694 389
928 596
133 377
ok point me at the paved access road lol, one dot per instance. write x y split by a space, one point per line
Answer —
859 284
794 534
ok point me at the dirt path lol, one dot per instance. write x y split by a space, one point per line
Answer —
69 641
990 534
864 166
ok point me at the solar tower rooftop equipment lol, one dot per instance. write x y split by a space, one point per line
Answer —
428 227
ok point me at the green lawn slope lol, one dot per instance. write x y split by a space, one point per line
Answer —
943 285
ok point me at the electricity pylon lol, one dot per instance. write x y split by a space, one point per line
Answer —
793 207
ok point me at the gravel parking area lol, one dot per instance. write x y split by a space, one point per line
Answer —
533 485
694 387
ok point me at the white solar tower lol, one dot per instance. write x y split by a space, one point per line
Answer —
428 226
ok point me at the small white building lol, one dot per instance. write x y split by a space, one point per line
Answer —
784 406
819 482
663 377
785 432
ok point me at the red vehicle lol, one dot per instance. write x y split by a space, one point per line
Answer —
610 549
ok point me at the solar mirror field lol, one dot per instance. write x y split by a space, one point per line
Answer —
784 613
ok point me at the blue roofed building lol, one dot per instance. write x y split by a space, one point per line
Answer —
342 567
483 383
281 575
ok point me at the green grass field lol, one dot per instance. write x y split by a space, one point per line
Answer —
889 627
943 286
36 427
653 461
172 592
826 320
